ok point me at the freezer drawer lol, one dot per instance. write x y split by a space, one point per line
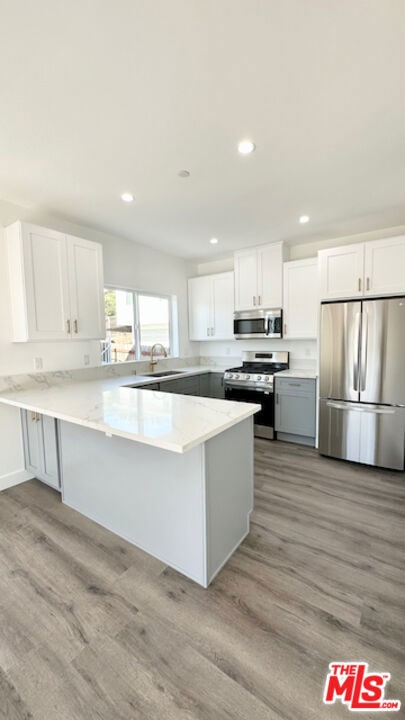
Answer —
370 434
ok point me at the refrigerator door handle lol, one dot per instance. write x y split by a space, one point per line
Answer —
356 352
363 352
359 408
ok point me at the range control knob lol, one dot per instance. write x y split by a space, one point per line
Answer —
247 377
266 378
259 377
236 376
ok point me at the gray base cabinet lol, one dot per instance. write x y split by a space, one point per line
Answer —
206 385
41 447
295 410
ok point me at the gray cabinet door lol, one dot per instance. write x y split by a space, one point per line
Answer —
182 386
217 389
41 447
295 407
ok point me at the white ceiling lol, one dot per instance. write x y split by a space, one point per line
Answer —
98 97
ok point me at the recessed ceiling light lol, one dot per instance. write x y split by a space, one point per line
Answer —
304 219
214 241
127 197
245 147
184 173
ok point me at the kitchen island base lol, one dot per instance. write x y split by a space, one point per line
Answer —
190 510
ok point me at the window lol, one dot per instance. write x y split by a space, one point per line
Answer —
134 322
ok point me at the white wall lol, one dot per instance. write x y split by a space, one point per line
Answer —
126 264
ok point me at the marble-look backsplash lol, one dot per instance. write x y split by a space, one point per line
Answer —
59 377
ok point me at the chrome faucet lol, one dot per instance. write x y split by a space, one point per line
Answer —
152 361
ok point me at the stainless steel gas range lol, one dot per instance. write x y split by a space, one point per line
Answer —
253 382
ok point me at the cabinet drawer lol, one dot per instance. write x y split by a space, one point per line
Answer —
295 386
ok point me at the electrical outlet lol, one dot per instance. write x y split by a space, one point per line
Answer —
87 359
38 363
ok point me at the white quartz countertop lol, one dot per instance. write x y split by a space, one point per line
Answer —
304 374
165 420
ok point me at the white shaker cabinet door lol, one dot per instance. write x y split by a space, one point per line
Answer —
223 305
301 299
246 293
46 284
199 308
342 272
85 263
384 266
270 276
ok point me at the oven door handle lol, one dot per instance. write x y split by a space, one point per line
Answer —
243 386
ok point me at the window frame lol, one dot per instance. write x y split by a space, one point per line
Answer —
137 326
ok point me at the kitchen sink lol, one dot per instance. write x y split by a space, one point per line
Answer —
164 373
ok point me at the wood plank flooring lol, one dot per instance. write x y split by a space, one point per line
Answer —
93 628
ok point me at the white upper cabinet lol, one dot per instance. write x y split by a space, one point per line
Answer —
210 307
223 305
384 266
258 277
365 269
56 285
199 307
270 276
246 292
301 299
85 263
341 272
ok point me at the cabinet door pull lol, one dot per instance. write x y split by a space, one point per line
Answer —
259 300
68 327
276 398
76 327
285 328
212 332
254 299
368 284
359 284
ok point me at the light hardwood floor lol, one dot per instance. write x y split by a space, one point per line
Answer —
92 628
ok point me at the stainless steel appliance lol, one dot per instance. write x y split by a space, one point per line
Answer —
362 381
258 324
253 382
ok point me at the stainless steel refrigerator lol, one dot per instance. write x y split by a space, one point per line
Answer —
362 381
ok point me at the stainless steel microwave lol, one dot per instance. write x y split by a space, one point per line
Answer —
258 324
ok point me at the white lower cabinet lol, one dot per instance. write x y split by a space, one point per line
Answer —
56 285
301 299
211 307
41 447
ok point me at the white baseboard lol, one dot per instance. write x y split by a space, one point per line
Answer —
14 478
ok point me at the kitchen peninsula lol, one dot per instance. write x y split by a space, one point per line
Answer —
169 473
